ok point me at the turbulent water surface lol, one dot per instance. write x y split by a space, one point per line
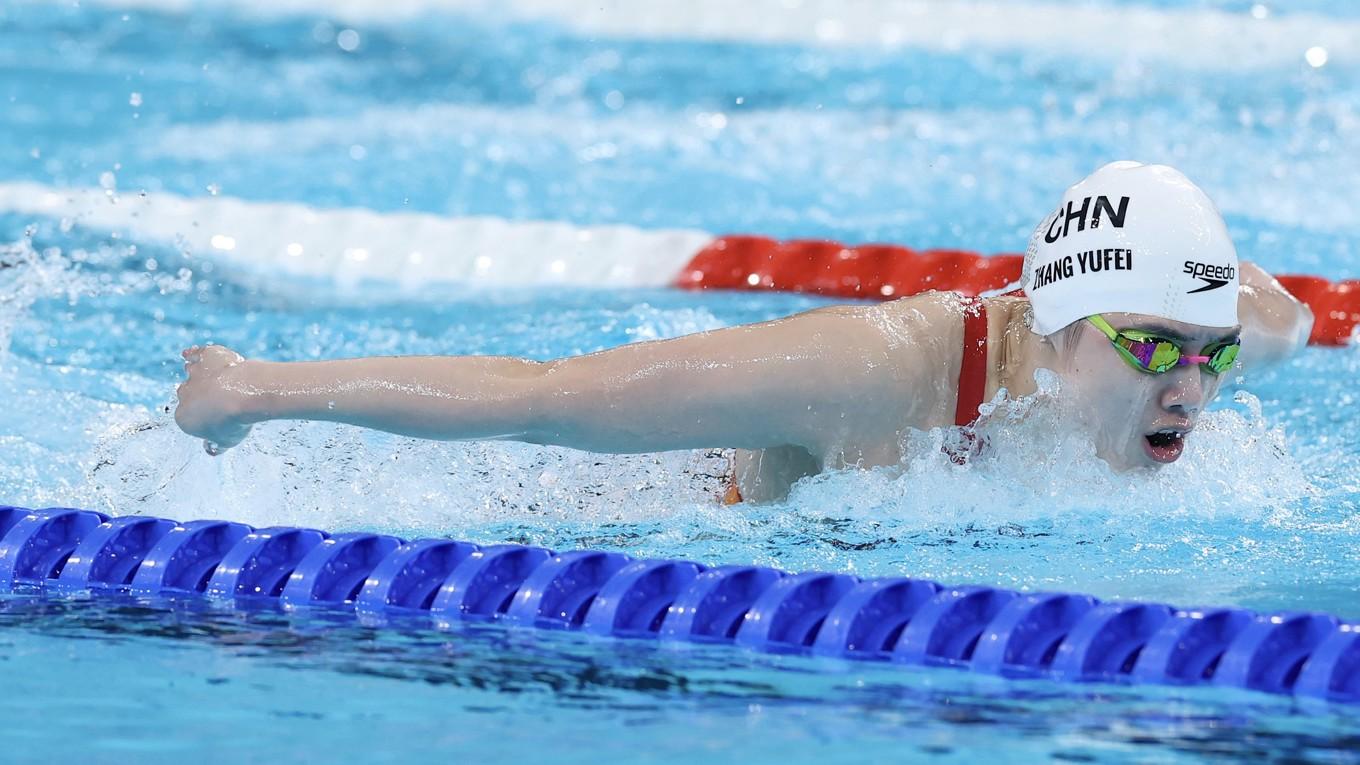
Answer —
482 112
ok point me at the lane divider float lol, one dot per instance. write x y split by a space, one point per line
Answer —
351 247
1055 635
884 272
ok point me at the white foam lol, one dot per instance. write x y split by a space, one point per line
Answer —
351 246
343 478
1040 464
1038 481
1190 37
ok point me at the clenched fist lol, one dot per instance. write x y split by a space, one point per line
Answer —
212 401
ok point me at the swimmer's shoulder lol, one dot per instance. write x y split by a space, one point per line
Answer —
921 320
937 317
933 318
937 309
914 319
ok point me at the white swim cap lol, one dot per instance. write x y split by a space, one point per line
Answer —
1132 238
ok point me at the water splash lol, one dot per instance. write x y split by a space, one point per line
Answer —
25 276
1038 464
1037 469
29 275
338 477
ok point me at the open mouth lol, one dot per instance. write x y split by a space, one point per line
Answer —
1164 446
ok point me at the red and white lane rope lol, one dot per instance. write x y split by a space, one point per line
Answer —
351 246
881 271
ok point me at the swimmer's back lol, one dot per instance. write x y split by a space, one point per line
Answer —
900 363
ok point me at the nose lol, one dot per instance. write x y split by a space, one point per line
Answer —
1184 392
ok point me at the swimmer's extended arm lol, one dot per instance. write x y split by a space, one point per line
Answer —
805 381
1275 324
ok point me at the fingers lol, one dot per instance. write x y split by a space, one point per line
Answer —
219 447
192 355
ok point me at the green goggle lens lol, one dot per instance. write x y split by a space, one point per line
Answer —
1157 355
1223 357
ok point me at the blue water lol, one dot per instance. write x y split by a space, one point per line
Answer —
518 119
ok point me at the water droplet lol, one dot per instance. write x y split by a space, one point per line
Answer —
135 99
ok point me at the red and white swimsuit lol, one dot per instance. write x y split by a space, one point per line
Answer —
973 369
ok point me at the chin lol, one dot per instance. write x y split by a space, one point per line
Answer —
1134 459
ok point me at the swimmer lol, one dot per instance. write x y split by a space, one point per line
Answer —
1132 293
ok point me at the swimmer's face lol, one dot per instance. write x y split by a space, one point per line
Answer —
1139 419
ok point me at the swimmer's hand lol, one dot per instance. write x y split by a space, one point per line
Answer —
212 402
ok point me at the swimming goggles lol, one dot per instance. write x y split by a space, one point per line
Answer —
1155 355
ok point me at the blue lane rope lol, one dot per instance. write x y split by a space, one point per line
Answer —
1060 636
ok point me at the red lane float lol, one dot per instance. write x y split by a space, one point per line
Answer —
881 271
884 272
1336 306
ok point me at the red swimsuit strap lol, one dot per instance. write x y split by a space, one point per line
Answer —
973 370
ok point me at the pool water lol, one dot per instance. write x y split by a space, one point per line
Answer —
459 109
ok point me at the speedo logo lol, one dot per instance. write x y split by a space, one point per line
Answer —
1213 276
